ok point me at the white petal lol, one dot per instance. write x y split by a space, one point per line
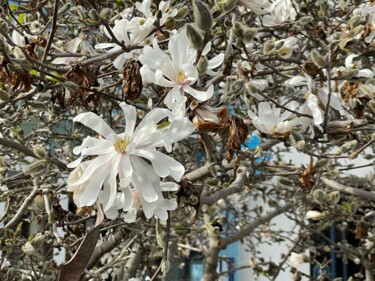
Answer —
200 95
95 123
130 117
164 165
145 179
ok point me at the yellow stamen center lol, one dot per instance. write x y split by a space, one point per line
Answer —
181 77
121 144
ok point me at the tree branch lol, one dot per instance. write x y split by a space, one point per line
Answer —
349 190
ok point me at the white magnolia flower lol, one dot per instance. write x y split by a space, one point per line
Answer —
259 7
164 8
296 259
132 156
316 98
280 11
132 32
271 121
78 44
176 71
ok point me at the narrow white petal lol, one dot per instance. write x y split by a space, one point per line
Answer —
164 165
95 123
130 117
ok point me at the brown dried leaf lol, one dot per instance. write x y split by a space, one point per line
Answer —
133 80
305 180
73 269
361 230
238 132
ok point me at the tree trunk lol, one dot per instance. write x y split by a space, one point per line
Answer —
211 259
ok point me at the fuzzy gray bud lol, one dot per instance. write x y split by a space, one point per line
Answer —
37 168
202 65
202 15
317 59
195 37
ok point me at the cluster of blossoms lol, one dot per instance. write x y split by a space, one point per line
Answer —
132 156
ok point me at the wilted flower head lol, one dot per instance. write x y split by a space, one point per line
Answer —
132 156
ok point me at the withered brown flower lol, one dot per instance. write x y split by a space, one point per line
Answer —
133 80
209 119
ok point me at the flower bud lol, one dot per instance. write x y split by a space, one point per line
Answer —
317 59
297 140
333 197
182 12
321 163
165 266
37 168
169 22
373 136
4 96
314 215
39 151
319 196
248 34
348 74
226 5
106 14
238 29
348 146
202 15
202 65
195 37
64 8
353 155
94 16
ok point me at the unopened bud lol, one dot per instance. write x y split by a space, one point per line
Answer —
373 136
4 96
193 200
297 140
248 34
79 11
94 16
17 52
202 65
64 8
226 5
4 27
354 20
314 215
348 146
202 15
353 155
348 74
182 12
37 168
106 14
70 85
165 266
238 29
39 151
194 36
169 22
321 163
333 197
159 235
317 59
371 105
268 46
319 196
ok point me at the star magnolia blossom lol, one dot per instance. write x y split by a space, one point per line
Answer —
176 71
132 32
281 11
271 121
259 7
296 259
124 155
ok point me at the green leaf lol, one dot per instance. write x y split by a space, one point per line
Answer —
21 17
13 7
346 206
